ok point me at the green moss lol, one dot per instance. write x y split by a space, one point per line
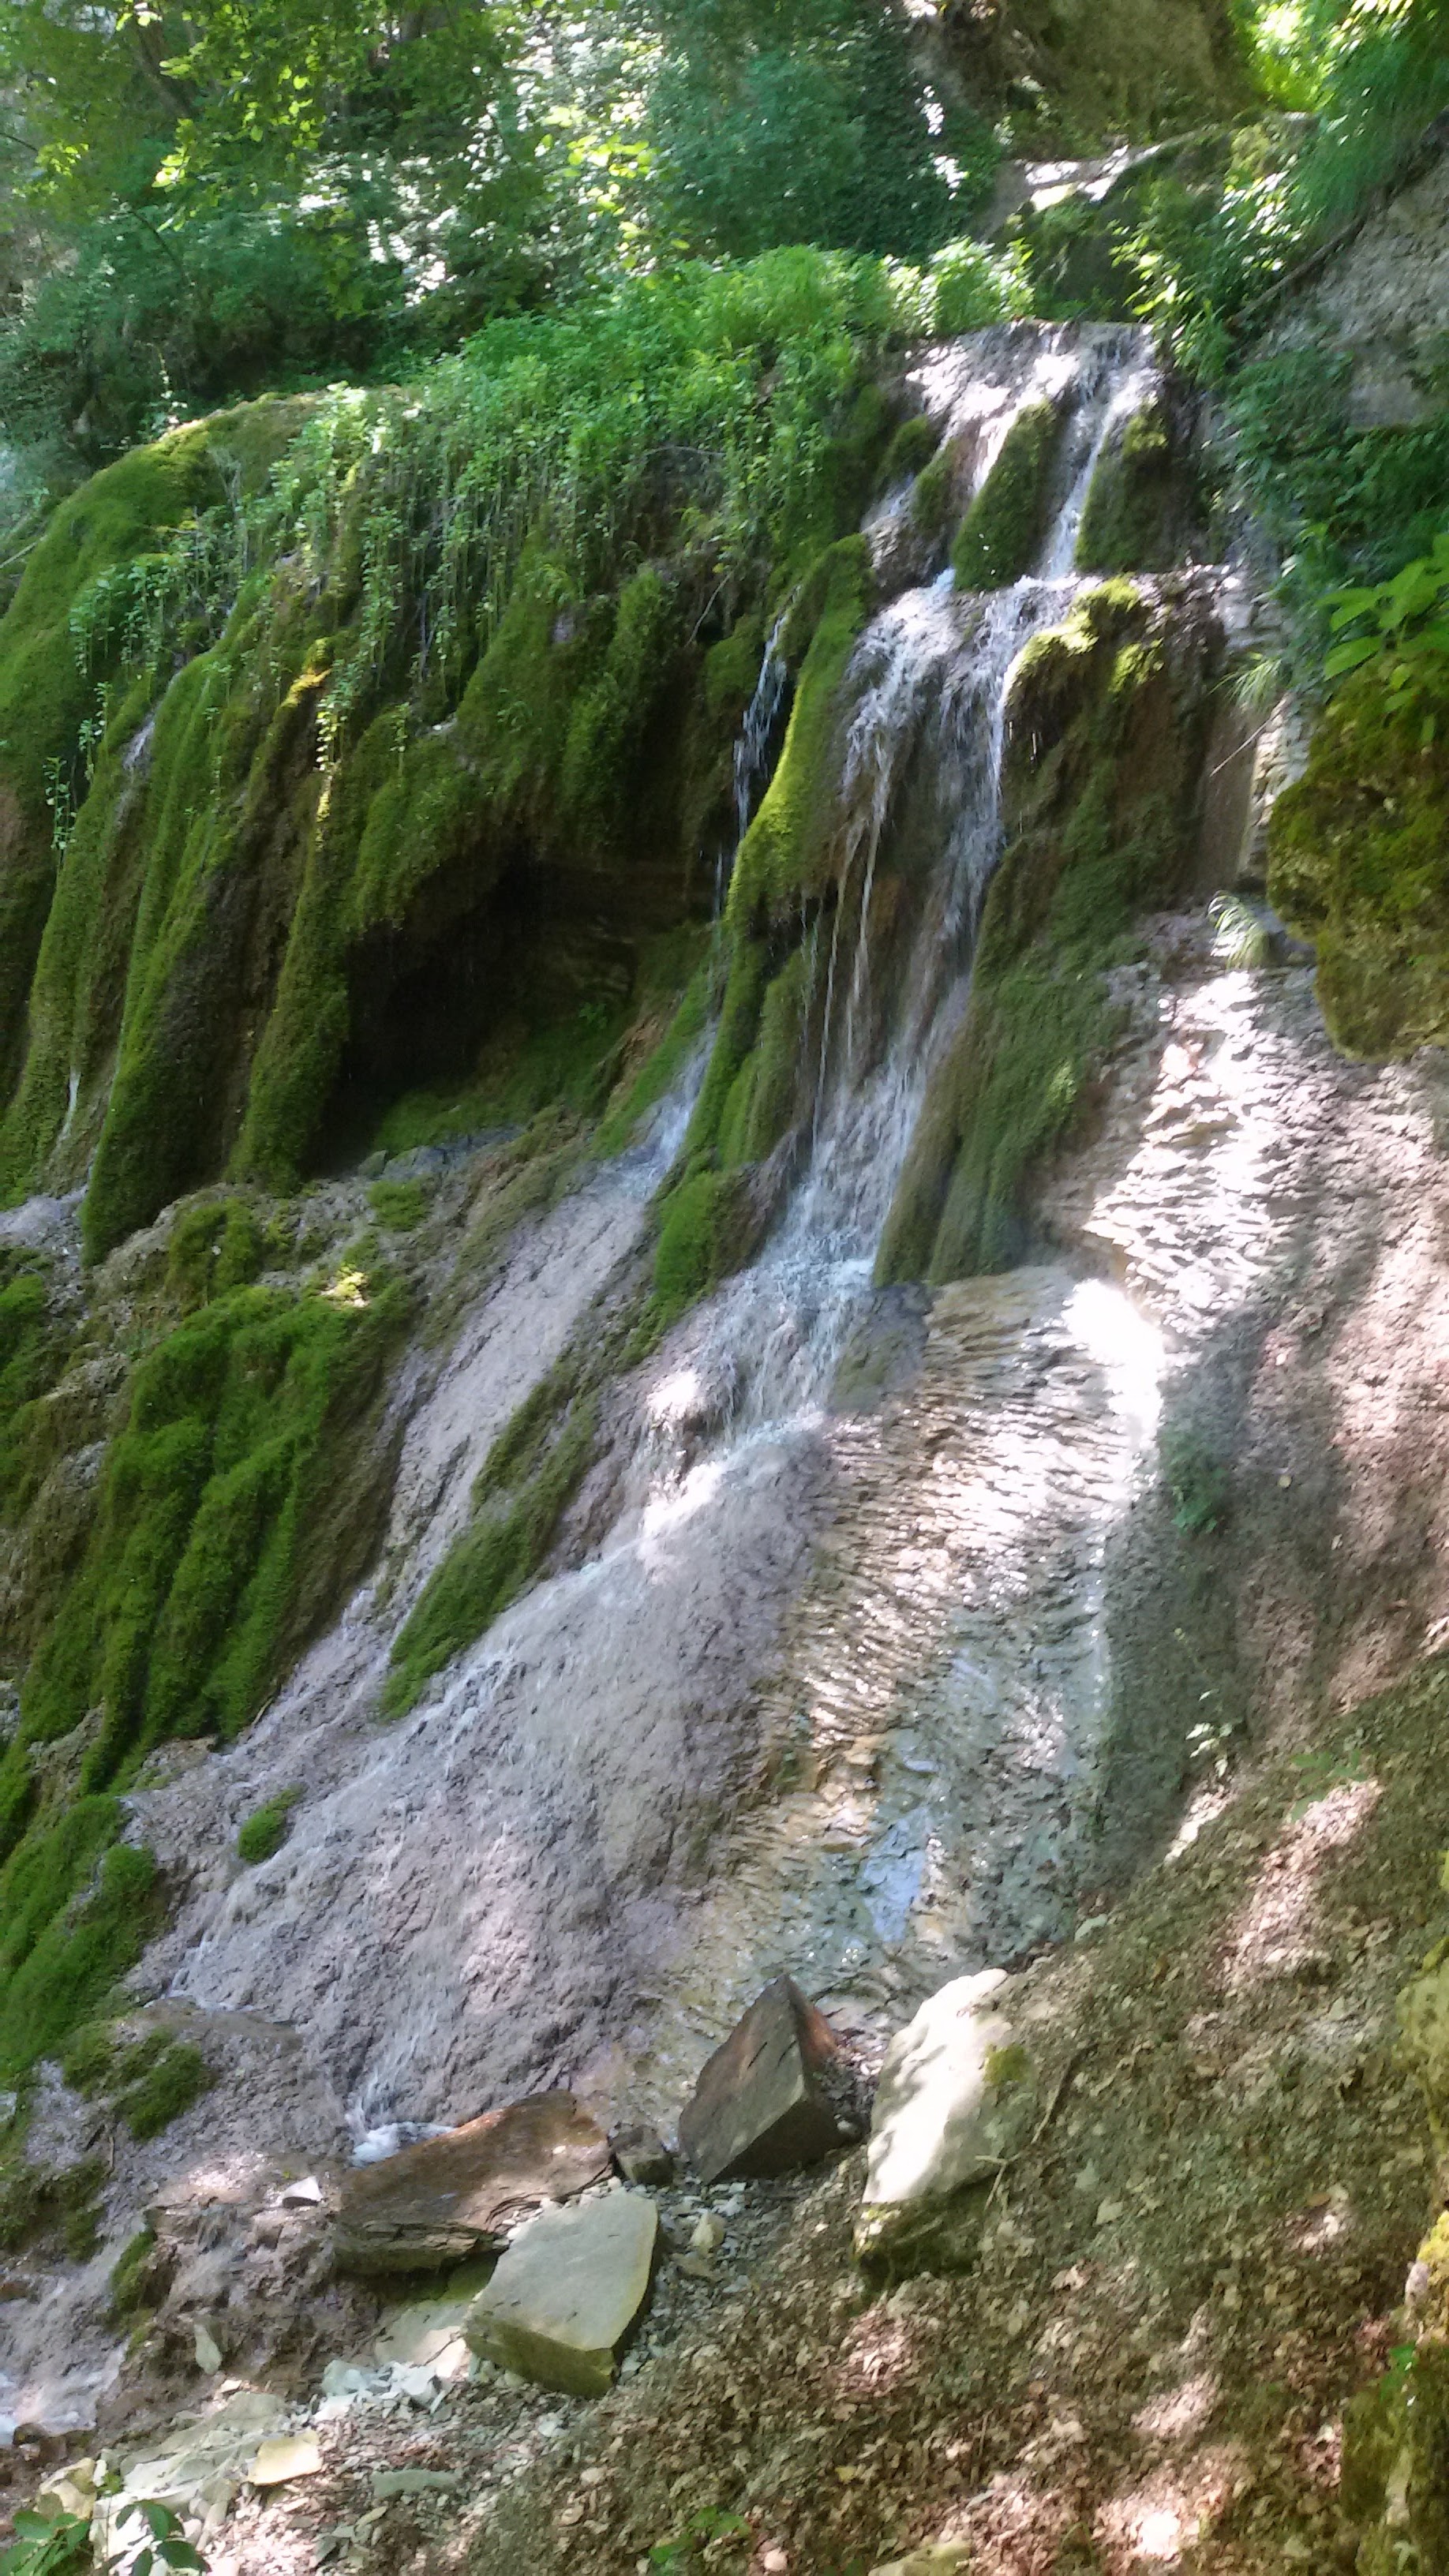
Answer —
47 687
735 1035
910 451
1356 864
703 1236
89 2058
214 1501
1104 732
32 1346
662 1066
64 1950
933 501
766 1093
130 2280
212 1250
1002 532
157 2089
267 1828
731 669
399 1205
428 815
609 719
1128 517
230 753
79 982
525 1486
785 853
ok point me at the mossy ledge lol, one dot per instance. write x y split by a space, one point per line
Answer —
1134 500
1356 865
225 1525
1104 732
262 848
1002 532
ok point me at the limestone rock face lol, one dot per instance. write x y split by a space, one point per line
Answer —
954 2102
760 2106
567 2291
450 2197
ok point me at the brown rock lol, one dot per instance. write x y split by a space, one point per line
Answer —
760 2106
640 2154
454 2196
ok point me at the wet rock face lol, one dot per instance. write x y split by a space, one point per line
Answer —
765 2102
453 2196
567 2291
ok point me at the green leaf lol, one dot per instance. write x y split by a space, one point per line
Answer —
1351 657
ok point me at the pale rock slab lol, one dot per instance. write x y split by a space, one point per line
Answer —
760 2107
954 2103
567 2291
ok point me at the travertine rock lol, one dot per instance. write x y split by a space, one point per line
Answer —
453 2196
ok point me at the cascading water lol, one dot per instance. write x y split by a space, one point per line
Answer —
546 1871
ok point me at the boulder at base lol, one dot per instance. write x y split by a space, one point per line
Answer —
954 2103
760 2106
455 2196
567 2291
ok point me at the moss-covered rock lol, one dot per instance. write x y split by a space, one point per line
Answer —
1356 865
785 856
1002 532
1104 734
1129 516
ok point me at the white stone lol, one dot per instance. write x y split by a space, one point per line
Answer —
940 2122
567 2291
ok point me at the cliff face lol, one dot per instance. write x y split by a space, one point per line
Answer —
691 1292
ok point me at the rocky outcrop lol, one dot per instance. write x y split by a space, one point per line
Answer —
453 2196
762 2104
567 2291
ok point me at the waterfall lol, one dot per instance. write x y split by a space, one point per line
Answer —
927 688
550 1870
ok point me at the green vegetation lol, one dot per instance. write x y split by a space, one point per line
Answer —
292 194
77 1916
703 1235
267 1828
399 1205
214 1502
1104 727
130 2274
527 1479
158 2081
1198 1479
785 853
1128 517
1356 852
212 1250
1002 532
500 509
223 1533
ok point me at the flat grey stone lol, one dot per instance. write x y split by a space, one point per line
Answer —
454 2196
760 2106
954 2103
567 2291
